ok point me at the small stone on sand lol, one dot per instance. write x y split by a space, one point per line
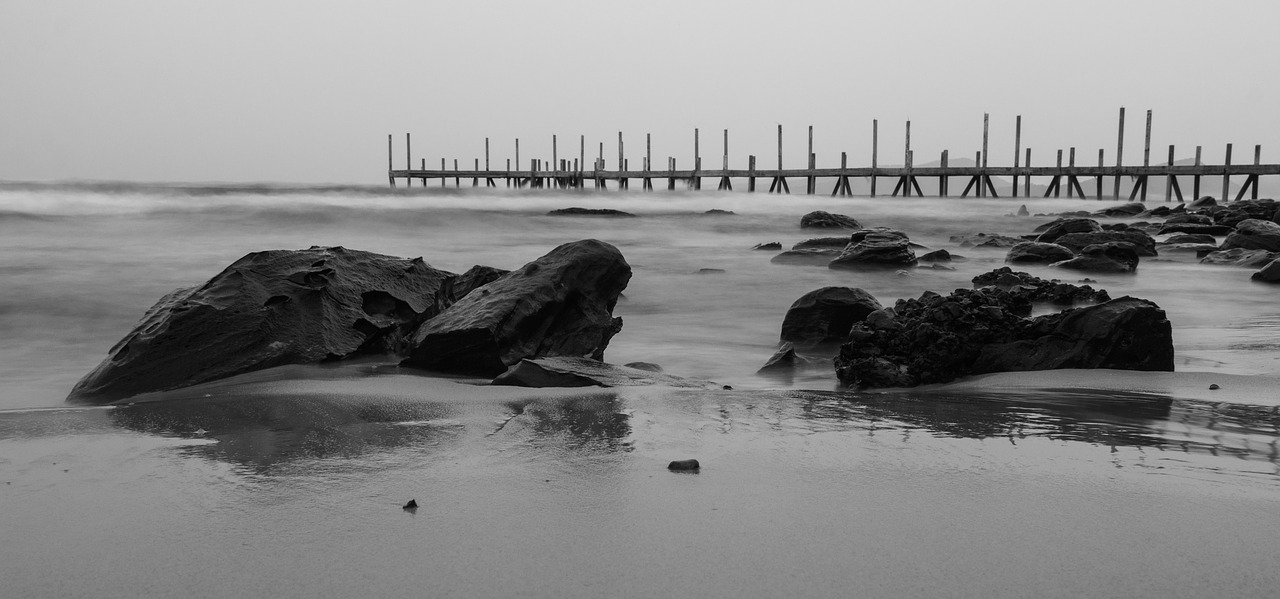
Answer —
683 465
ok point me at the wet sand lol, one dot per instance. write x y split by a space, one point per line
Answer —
290 484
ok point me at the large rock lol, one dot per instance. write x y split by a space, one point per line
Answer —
1195 229
1254 234
269 309
984 240
940 338
1035 252
558 305
1142 243
1052 231
825 315
1269 273
1024 290
579 211
1122 210
876 250
586 372
1113 257
1198 238
826 220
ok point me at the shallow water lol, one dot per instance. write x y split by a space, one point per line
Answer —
288 483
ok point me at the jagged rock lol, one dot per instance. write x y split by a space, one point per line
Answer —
861 234
269 309
936 257
565 371
1034 252
1123 210
826 220
825 315
1114 257
1204 202
1023 290
1269 273
1189 238
770 245
1022 210
576 211
1061 227
1254 234
1143 244
876 250
810 256
1195 229
1240 257
941 338
985 240
558 305
785 359
837 243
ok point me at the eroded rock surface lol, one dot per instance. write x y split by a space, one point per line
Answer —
269 309
819 219
558 305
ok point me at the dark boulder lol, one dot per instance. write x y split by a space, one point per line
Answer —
476 276
564 371
1065 226
837 243
936 257
940 338
1240 257
1113 257
558 305
269 309
719 212
876 250
1269 273
576 211
1023 290
1034 252
1022 211
1121 211
1254 234
826 220
1189 248
825 315
1195 229
810 256
1142 243
1204 202
861 234
1197 219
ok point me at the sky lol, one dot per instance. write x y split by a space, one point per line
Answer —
307 91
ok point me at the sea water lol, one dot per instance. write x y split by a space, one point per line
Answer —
289 482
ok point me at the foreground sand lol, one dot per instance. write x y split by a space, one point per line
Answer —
289 484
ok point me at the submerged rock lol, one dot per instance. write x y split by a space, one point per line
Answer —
826 220
269 309
577 211
1114 257
1269 273
586 372
1240 257
1254 234
558 305
1122 210
1035 252
1142 243
838 243
768 245
812 256
1052 231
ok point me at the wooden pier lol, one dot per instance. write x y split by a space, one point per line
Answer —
1079 180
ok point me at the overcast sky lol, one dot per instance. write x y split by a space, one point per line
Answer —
307 91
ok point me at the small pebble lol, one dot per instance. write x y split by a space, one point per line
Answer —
1214 387
683 465
412 505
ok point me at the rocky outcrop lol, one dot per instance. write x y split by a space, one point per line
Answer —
1204 202
1113 257
937 338
825 315
558 305
1189 238
1035 252
1123 210
1269 273
586 372
269 309
1254 234
1023 290
985 240
826 220
876 250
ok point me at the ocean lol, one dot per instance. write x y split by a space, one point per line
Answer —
289 484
